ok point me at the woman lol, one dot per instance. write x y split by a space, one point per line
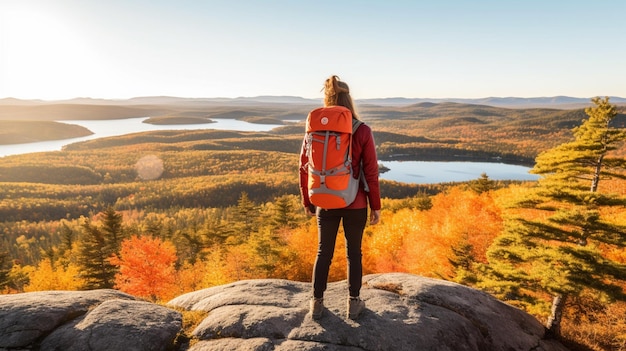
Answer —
354 216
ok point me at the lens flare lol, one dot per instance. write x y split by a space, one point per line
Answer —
149 167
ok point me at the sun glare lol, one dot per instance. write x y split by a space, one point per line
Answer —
42 55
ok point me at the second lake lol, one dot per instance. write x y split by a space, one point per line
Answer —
429 172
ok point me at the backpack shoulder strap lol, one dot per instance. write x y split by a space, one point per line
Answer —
355 125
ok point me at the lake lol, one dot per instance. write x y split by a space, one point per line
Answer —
427 172
108 128
424 172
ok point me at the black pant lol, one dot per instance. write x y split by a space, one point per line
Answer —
354 221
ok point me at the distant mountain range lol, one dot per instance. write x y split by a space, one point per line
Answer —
559 102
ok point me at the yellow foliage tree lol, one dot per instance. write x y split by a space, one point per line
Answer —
213 268
50 276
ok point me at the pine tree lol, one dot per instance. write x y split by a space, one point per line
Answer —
96 247
4 269
245 217
283 212
482 184
113 231
462 261
216 230
93 258
266 252
555 244
67 239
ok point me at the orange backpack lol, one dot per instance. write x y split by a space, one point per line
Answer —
329 150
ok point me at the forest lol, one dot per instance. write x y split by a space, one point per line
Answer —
158 214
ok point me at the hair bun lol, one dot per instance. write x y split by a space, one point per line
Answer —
334 86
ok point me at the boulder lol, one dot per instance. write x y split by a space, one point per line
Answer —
85 320
403 312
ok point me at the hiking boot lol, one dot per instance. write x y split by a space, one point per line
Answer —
316 307
355 307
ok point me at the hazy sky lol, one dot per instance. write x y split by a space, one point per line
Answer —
60 49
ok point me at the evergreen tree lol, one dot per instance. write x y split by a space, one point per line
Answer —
19 276
216 231
421 201
557 241
193 245
152 228
482 184
246 217
4 269
95 249
266 252
67 239
113 231
463 262
283 212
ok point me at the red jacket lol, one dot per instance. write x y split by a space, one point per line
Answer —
363 148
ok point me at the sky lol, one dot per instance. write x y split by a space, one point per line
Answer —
119 49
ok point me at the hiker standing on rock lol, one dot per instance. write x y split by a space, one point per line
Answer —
338 179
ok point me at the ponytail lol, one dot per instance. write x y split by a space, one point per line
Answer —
337 93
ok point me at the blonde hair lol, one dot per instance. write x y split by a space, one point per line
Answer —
337 93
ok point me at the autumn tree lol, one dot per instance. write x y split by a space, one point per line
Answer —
556 241
146 267
302 248
431 242
53 276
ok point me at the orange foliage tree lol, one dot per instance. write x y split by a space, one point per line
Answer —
302 247
147 268
424 242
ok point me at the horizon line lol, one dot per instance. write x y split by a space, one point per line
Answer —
298 97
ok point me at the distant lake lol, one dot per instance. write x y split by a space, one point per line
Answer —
424 172
108 128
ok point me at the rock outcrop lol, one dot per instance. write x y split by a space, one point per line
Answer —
85 320
403 312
